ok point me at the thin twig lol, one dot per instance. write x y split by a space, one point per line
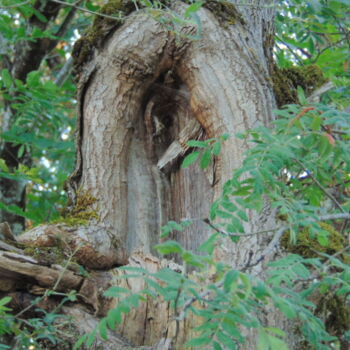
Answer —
85 10
331 197
315 96
65 267
266 253
64 73
276 238
229 234
292 52
67 21
189 302
15 5
55 286
327 48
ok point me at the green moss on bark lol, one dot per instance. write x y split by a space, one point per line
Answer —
47 255
286 81
308 245
82 213
225 11
101 27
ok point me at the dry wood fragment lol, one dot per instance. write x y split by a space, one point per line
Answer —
9 247
41 275
178 147
20 257
6 232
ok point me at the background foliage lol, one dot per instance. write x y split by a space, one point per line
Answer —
301 166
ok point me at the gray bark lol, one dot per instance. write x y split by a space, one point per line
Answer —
222 81
137 95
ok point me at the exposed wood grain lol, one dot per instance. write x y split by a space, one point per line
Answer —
43 276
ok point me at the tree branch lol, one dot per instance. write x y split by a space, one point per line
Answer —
63 74
229 234
266 253
67 21
330 196
15 5
85 10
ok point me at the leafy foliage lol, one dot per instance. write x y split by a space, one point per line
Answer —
293 166
46 328
300 166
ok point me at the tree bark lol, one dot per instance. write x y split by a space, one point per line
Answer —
137 95
144 76
221 81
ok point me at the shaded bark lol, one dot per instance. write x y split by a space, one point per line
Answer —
137 95
225 79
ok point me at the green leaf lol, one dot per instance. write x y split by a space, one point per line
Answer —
223 214
115 292
200 341
209 245
230 278
80 342
196 143
236 225
190 159
286 308
217 346
193 8
226 340
39 15
216 148
301 96
206 159
228 205
243 215
325 146
91 338
6 78
103 329
317 121
169 247
3 165
114 317
225 137
5 300
21 151
323 239
276 331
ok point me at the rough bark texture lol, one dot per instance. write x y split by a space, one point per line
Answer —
144 77
137 96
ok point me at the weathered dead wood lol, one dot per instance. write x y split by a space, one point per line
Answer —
35 274
92 246
20 257
6 232
152 324
179 147
9 247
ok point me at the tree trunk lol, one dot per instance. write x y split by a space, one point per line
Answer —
138 95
